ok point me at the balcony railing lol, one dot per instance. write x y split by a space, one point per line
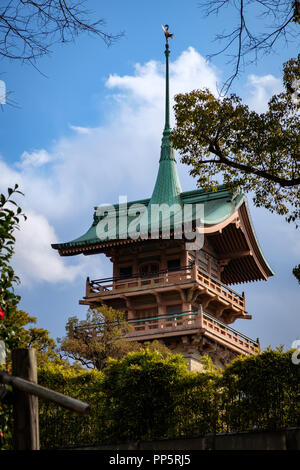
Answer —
220 288
161 325
112 285
223 331
123 282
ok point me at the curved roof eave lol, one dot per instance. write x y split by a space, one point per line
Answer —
221 208
256 243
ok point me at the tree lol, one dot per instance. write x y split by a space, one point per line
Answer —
245 407
10 214
275 21
100 336
140 394
29 28
258 152
13 321
24 337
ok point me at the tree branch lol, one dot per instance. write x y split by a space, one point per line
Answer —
215 149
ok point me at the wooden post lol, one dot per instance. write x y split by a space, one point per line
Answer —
195 272
200 316
26 412
87 287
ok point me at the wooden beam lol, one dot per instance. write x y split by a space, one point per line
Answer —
31 388
234 255
182 294
127 301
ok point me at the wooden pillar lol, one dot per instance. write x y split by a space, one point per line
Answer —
26 413
200 316
115 267
163 261
184 258
135 265
161 309
186 307
87 287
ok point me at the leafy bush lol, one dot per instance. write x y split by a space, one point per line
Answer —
261 392
61 427
198 402
140 394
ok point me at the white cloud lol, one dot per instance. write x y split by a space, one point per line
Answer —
36 260
80 130
261 90
36 158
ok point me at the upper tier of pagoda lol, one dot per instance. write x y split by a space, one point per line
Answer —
226 219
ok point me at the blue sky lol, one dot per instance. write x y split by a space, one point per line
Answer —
91 131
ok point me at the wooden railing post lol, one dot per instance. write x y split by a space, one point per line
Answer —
200 316
195 272
87 287
25 413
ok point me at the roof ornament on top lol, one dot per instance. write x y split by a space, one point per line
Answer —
166 31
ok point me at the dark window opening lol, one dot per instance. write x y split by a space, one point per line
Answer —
126 272
173 264
148 270
173 309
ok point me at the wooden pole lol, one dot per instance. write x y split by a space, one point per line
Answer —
26 408
62 400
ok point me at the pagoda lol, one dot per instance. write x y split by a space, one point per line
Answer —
171 289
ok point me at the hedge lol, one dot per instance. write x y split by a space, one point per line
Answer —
146 396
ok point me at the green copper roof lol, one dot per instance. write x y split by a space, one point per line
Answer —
218 206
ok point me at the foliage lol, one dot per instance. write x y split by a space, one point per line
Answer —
10 214
12 320
32 337
258 152
139 394
25 338
261 392
6 418
198 403
100 336
148 396
61 427
152 346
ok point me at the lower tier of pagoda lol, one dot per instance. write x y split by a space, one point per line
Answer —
194 332
186 309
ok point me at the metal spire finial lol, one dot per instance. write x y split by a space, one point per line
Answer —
167 34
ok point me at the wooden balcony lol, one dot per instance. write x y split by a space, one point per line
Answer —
189 277
189 323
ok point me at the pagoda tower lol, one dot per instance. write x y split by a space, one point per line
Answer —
173 290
